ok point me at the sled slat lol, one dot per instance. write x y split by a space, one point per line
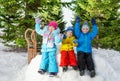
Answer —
31 43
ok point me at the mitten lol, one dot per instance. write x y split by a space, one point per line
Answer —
37 20
93 21
64 36
78 19
75 41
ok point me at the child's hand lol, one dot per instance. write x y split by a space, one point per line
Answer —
37 20
64 36
93 21
61 35
78 19
75 41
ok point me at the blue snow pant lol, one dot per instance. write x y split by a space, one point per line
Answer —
48 62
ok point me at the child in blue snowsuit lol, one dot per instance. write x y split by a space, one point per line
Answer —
51 37
84 48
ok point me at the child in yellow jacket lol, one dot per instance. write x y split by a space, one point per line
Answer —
68 57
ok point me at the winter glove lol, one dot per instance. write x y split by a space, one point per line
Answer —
64 36
37 20
93 21
61 36
75 41
78 19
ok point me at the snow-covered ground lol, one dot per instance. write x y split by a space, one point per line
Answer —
14 67
107 68
11 63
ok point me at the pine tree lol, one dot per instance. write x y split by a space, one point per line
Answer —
18 15
107 16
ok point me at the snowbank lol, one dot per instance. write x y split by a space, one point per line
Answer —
105 70
13 67
10 63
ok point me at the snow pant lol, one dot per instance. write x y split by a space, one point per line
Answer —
85 61
48 62
68 58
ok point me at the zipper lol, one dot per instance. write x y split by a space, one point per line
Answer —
86 43
47 40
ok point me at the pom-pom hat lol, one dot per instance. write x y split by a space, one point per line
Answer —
53 24
69 29
85 25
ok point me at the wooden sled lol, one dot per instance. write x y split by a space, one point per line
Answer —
31 43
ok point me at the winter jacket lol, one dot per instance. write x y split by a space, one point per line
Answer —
84 40
68 43
49 41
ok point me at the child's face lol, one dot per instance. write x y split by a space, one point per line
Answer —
85 30
69 33
51 28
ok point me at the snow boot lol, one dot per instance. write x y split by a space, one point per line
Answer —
82 73
41 71
65 68
52 74
75 67
92 73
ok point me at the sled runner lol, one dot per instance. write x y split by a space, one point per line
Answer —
31 43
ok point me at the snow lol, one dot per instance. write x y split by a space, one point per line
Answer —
70 75
14 67
1 33
68 14
106 61
10 63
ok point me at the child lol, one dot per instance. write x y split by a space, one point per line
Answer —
67 53
51 37
84 48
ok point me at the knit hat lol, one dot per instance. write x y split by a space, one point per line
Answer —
69 28
85 25
53 23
